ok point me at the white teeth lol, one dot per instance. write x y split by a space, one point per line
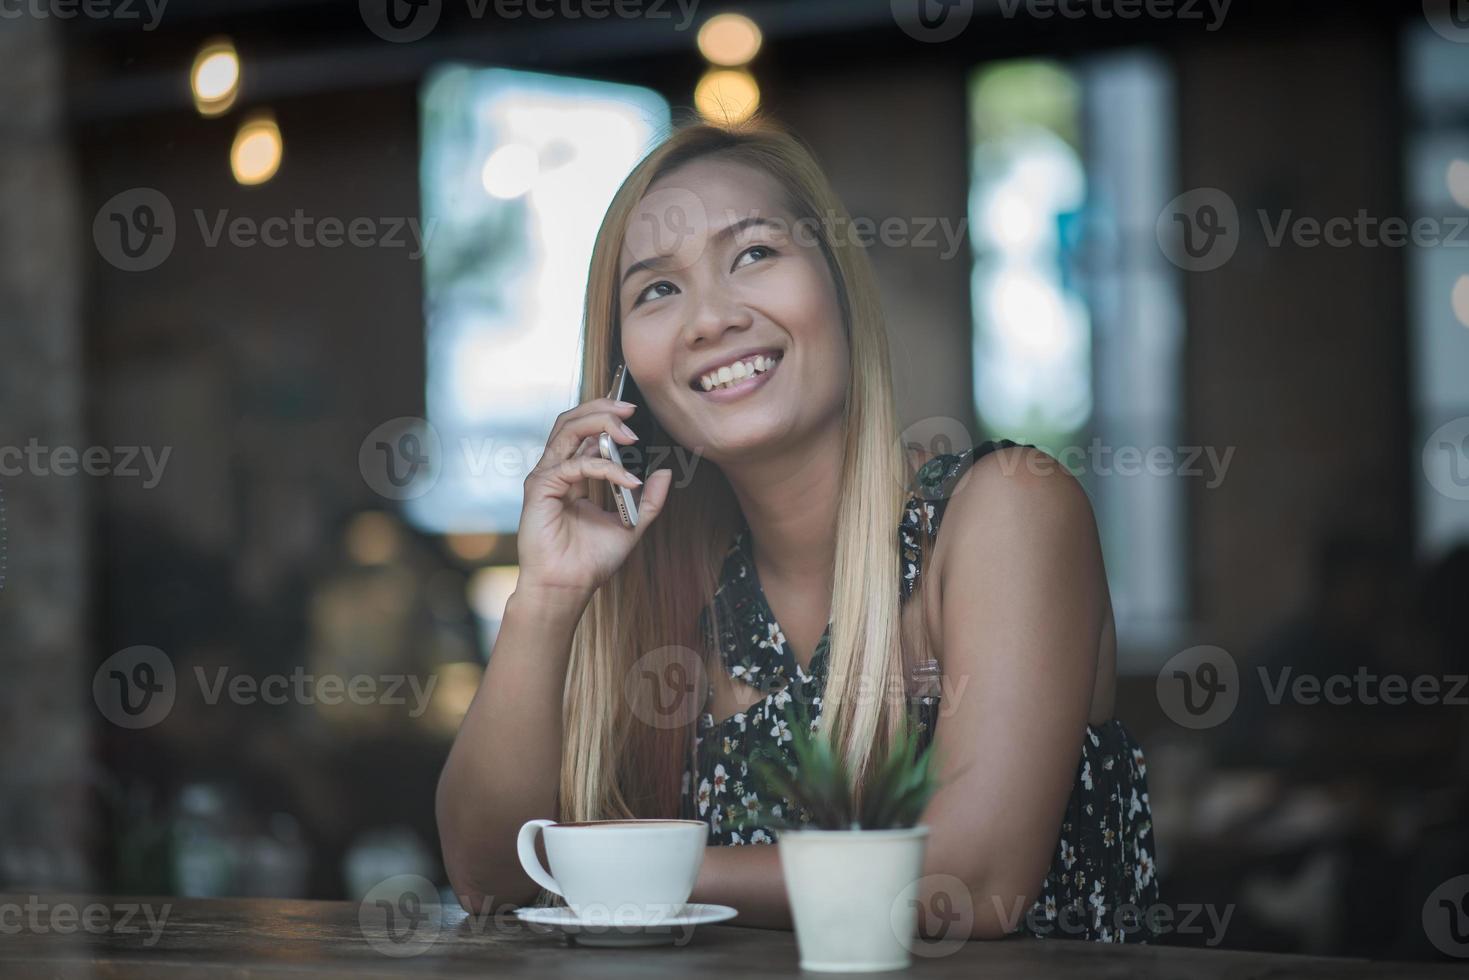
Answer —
736 372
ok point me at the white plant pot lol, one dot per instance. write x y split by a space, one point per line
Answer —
846 889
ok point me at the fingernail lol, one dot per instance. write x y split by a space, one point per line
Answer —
629 432
636 480
624 404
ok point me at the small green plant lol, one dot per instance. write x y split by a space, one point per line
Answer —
896 793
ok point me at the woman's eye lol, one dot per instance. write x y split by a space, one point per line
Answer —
759 251
644 296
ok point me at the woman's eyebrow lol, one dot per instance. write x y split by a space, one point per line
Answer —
728 231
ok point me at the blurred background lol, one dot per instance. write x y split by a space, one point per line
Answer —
290 290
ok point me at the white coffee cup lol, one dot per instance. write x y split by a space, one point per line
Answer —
617 871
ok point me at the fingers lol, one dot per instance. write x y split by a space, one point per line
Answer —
581 490
587 420
560 479
655 494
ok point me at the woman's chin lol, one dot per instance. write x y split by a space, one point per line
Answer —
746 443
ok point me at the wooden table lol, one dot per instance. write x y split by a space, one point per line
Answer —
242 938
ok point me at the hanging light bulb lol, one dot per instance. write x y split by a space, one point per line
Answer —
215 77
256 154
729 40
725 96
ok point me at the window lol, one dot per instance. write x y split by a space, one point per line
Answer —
1078 324
517 171
1437 177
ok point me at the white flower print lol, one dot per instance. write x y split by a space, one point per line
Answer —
1144 872
703 796
1102 861
752 805
1098 901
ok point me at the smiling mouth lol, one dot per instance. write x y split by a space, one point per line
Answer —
738 375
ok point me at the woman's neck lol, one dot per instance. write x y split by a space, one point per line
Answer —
790 504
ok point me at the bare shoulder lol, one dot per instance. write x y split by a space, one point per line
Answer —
1016 494
1018 558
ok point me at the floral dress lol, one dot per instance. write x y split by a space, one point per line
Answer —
1101 881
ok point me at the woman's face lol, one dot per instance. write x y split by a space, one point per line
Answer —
718 282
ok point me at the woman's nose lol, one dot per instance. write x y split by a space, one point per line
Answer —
716 313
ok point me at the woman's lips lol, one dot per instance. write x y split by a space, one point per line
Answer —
743 387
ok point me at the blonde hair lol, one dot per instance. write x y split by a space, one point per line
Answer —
615 763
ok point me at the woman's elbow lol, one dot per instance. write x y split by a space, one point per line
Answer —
991 903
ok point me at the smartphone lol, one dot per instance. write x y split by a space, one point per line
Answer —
626 497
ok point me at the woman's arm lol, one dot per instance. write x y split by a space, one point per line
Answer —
1023 599
1023 595
748 878
505 763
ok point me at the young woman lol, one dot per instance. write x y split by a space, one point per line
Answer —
802 561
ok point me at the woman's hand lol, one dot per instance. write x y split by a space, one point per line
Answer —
568 544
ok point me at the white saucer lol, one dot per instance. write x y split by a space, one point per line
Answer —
601 930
